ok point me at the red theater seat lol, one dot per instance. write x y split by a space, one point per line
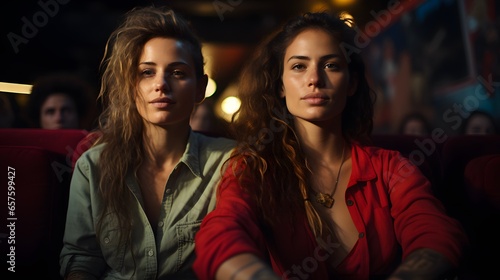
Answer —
457 152
86 143
482 182
482 187
41 162
464 171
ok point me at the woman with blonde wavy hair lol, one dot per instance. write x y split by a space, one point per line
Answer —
138 196
305 196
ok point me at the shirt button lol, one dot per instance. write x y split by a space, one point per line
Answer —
106 240
160 223
361 235
350 202
150 253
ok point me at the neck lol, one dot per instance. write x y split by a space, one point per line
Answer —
164 146
321 145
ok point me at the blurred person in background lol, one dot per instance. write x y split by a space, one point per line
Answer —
479 123
415 124
203 119
61 101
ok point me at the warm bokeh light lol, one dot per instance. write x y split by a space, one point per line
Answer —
211 88
319 7
228 102
342 3
230 105
346 15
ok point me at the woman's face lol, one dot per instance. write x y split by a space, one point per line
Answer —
202 119
316 79
415 127
59 111
168 88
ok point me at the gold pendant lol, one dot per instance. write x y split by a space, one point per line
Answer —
325 200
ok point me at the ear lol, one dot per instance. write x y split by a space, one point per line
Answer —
201 88
353 84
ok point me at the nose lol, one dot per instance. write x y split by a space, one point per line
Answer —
314 77
58 115
161 84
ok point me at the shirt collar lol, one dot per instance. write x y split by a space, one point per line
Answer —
191 156
363 169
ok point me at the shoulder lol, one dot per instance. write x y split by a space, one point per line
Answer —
214 144
375 151
378 156
91 156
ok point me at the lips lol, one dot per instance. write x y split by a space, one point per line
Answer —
316 98
162 102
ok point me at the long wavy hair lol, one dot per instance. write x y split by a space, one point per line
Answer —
267 143
121 125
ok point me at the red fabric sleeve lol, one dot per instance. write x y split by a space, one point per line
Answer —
420 220
232 228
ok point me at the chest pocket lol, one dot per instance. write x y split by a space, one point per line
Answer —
185 245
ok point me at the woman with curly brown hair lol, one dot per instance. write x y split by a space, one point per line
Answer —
304 196
138 196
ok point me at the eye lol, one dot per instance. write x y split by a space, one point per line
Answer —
178 74
50 111
67 110
332 65
147 72
298 67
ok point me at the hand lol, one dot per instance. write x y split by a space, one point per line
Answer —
80 275
423 264
245 267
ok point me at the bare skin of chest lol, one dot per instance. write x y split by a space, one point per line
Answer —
153 184
337 218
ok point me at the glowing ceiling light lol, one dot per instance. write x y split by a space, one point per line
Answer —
15 88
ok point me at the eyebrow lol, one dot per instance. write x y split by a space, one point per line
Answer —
303 57
170 64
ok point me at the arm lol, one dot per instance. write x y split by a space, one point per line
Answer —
80 275
81 252
245 267
432 241
230 236
423 264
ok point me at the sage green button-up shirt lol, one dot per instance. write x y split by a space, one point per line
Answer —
168 253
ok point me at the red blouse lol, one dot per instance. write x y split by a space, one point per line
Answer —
391 204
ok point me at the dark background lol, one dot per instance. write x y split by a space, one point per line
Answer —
72 38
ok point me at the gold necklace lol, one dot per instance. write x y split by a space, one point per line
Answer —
326 199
